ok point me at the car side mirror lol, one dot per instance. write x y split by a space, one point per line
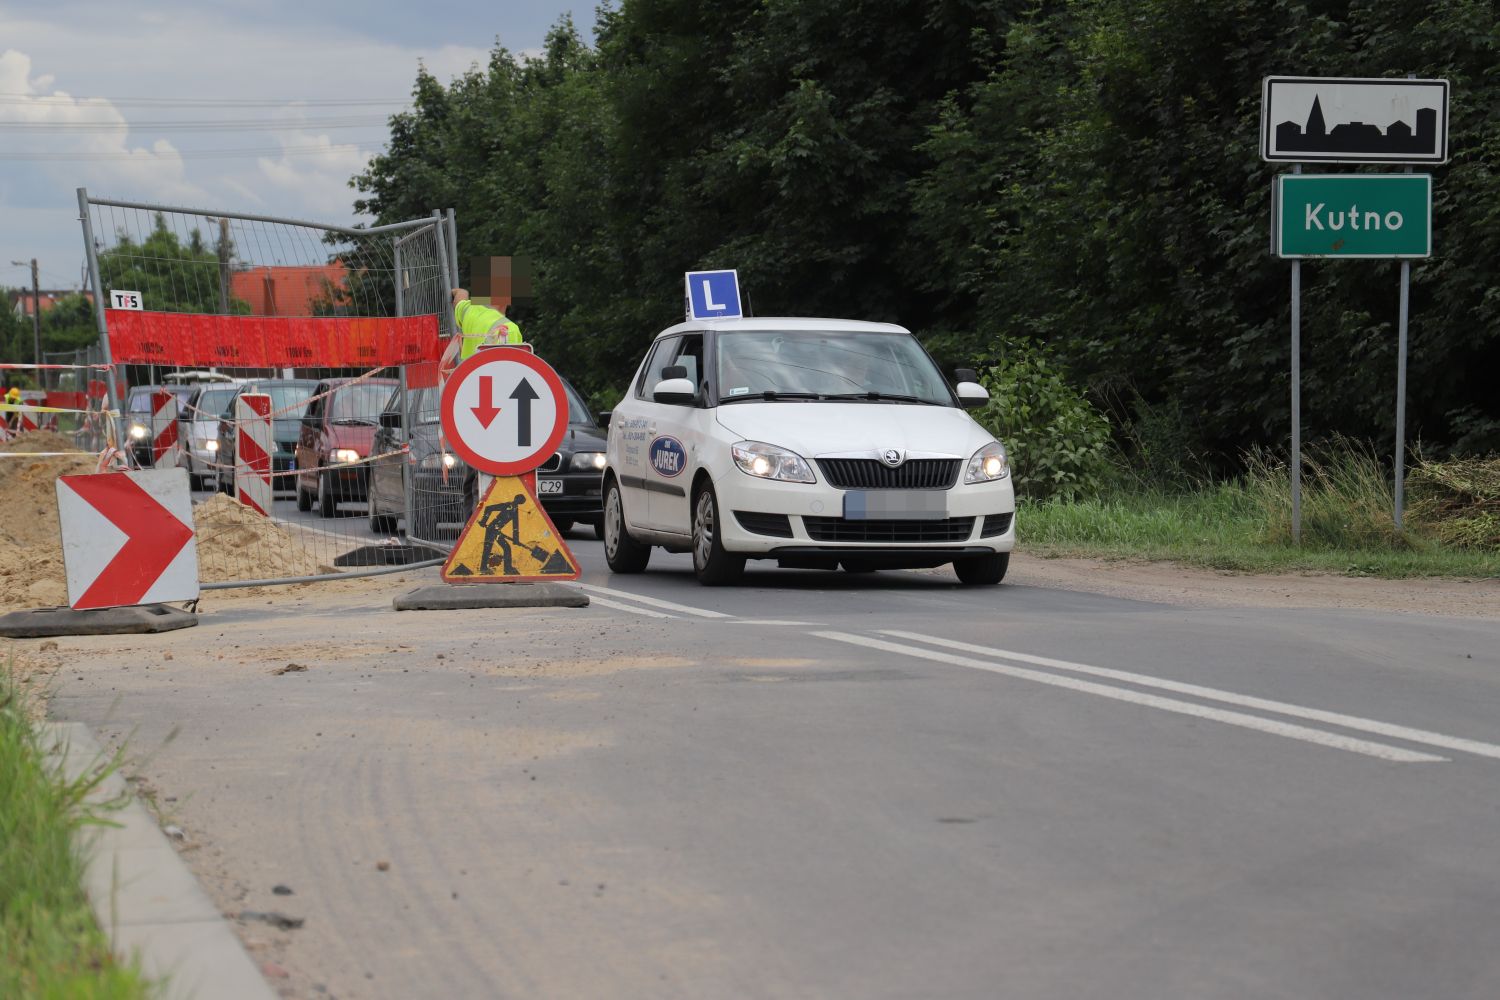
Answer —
674 371
965 375
391 419
604 417
678 390
971 395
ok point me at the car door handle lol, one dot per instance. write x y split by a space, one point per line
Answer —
651 430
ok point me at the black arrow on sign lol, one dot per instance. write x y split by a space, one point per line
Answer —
524 394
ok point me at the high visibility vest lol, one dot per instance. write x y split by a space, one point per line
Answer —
479 325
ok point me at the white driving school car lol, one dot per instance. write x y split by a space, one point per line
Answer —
818 443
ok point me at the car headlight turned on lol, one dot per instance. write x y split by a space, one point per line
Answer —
345 456
437 461
766 461
137 432
211 444
587 461
988 464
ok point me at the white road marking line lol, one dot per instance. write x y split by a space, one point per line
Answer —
771 621
606 602
1255 722
1243 700
626 595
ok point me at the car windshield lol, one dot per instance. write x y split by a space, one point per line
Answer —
287 401
819 365
360 402
140 397
214 403
578 410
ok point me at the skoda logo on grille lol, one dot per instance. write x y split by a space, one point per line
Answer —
892 457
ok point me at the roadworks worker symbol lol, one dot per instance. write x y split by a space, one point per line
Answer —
509 538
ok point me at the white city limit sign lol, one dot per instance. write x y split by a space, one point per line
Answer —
1353 120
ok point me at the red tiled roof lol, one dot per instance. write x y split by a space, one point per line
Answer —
285 291
23 300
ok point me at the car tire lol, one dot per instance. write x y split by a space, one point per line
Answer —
562 524
623 553
982 570
327 505
304 499
597 521
381 524
854 566
712 565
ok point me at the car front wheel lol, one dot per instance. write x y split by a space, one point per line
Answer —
982 570
712 565
623 553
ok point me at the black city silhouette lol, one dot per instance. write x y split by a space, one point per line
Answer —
1358 137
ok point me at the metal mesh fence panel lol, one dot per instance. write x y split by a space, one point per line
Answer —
338 327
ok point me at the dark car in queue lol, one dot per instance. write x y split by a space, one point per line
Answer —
138 417
289 398
446 489
336 435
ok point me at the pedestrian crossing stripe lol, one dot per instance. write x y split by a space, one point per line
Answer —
509 538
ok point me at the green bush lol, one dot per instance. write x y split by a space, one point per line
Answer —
1058 442
1458 502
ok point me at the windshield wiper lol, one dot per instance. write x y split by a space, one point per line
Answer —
878 396
769 395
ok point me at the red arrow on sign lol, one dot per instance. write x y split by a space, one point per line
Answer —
153 538
486 411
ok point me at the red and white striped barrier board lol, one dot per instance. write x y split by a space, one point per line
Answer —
128 538
252 451
166 446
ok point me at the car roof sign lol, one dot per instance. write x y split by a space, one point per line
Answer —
713 294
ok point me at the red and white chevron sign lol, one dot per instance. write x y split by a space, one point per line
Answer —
166 447
252 451
128 538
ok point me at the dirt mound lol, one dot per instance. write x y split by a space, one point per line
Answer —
235 543
33 441
31 567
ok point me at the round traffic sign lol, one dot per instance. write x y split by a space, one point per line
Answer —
504 411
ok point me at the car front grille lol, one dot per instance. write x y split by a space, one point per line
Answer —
552 464
871 474
775 525
838 529
995 524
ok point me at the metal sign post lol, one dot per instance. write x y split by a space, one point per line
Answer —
1352 120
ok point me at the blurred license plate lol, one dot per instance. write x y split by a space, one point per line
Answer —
548 486
895 505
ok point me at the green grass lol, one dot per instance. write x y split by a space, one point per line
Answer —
50 944
1245 525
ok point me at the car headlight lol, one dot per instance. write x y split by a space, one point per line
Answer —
765 461
345 456
437 461
211 444
137 432
587 461
988 464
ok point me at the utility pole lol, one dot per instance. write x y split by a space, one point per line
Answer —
36 311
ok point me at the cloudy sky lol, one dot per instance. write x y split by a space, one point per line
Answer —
140 101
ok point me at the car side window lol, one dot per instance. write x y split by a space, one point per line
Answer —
690 356
655 362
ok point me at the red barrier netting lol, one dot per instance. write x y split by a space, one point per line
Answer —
155 338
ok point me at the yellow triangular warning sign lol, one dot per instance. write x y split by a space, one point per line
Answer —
509 537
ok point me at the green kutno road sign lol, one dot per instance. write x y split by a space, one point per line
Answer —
1353 215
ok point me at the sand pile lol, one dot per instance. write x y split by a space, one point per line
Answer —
235 543
31 567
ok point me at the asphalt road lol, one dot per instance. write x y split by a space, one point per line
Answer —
825 785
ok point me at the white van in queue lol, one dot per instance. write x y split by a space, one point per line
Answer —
818 443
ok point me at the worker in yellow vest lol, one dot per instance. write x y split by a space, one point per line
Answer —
481 325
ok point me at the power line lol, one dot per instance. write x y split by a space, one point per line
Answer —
205 102
220 125
192 154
